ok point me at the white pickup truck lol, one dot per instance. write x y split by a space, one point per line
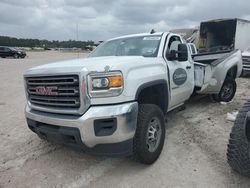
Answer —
114 101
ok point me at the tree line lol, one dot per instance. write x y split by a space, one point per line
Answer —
15 42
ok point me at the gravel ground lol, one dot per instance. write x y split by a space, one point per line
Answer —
194 154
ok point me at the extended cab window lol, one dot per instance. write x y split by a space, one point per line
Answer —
193 49
146 46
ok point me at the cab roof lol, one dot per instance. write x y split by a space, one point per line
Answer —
138 35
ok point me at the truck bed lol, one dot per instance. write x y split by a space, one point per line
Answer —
210 69
212 58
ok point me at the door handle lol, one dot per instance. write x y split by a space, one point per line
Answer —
188 67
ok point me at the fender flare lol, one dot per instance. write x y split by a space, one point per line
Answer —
155 83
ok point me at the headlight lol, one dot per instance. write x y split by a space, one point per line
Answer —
104 84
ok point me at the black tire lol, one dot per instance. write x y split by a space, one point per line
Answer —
238 151
141 151
227 91
16 56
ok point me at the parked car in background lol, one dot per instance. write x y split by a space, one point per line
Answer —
246 61
11 52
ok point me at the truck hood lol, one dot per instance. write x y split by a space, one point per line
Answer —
95 64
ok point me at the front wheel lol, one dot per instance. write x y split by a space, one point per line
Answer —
150 134
227 91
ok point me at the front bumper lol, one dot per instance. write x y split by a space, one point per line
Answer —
111 127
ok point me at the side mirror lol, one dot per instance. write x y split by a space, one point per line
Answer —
182 52
172 55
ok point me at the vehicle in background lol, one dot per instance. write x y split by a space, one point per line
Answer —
238 150
11 52
191 35
224 35
246 62
114 101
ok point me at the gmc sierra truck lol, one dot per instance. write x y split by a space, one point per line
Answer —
114 101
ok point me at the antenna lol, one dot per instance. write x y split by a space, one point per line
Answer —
152 31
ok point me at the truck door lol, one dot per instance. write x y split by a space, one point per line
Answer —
181 74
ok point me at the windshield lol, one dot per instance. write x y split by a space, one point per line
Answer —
146 46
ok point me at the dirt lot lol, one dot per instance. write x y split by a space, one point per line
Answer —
194 154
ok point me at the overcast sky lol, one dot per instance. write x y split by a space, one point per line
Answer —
103 19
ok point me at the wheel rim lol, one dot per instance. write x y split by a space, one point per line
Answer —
154 133
227 91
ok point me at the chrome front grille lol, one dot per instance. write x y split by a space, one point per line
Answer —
246 58
57 92
246 62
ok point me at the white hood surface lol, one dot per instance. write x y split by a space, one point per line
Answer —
92 64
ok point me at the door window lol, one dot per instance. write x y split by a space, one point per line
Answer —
173 43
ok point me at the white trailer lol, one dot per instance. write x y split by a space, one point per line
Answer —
224 35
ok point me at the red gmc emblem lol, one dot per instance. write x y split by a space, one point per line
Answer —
47 91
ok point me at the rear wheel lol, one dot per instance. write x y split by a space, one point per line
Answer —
227 91
238 151
150 134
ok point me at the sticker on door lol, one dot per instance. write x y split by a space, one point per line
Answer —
179 76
